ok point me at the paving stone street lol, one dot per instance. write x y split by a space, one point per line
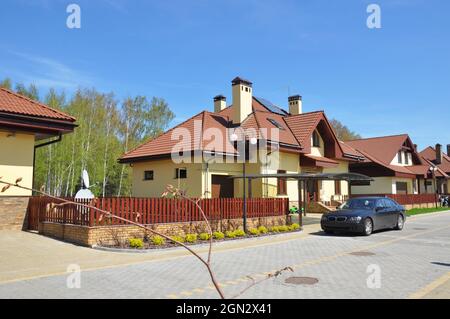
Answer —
413 263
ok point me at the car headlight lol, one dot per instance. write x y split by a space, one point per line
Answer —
355 219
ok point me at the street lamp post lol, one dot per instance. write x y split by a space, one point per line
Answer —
433 170
253 141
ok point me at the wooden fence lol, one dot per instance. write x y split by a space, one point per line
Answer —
153 210
407 199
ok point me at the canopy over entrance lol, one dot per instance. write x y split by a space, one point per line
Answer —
302 179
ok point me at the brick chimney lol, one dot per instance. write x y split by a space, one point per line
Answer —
295 105
220 103
438 154
448 149
242 99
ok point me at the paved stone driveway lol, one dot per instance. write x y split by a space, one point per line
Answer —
411 262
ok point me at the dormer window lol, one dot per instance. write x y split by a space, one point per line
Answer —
406 158
315 139
399 155
276 124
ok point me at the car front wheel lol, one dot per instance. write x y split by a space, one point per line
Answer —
400 223
368 227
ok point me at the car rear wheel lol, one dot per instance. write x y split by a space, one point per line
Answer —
400 222
368 227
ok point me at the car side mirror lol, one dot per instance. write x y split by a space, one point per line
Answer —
379 209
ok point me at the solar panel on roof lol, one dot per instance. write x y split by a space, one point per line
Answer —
270 106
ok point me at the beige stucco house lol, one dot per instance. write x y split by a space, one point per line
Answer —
251 136
437 158
395 166
24 126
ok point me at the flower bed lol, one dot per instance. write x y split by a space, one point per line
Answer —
158 242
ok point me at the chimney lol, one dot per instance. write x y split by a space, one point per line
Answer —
448 149
295 104
415 148
438 154
220 103
242 99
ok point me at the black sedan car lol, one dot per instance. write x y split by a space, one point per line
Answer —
365 215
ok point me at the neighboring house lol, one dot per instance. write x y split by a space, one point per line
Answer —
436 157
394 164
24 126
277 142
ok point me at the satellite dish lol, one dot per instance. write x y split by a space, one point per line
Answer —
85 178
84 192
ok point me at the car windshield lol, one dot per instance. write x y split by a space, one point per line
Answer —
359 203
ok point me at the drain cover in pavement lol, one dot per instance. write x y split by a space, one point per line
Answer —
362 253
301 281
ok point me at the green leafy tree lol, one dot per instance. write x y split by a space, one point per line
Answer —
343 133
6 83
106 129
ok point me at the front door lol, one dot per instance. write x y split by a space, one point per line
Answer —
222 186
313 191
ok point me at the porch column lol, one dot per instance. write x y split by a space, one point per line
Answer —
300 203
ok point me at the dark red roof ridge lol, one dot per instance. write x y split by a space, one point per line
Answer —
306 113
377 137
37 103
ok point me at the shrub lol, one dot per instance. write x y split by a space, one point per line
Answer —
136 243
283 228
158 240
274 229
263 229
179 239
294 226
230 234
254 231
218 235
191 238
204 236
239 233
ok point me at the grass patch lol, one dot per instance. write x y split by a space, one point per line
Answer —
419 211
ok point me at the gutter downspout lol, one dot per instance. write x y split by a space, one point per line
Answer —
59 139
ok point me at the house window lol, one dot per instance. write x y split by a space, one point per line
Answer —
406 158
276 124
337 188
399 156
402 188
181 173
316 139
281 184
148 175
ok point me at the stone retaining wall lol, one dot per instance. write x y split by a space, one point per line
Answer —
111 235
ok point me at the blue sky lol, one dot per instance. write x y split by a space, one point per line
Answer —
379 82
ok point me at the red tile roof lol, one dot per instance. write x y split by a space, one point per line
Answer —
303 125
430 154
294 132
382 150
14 103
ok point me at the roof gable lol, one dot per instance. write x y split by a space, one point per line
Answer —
383 148
429 154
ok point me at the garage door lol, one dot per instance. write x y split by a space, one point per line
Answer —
222 186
